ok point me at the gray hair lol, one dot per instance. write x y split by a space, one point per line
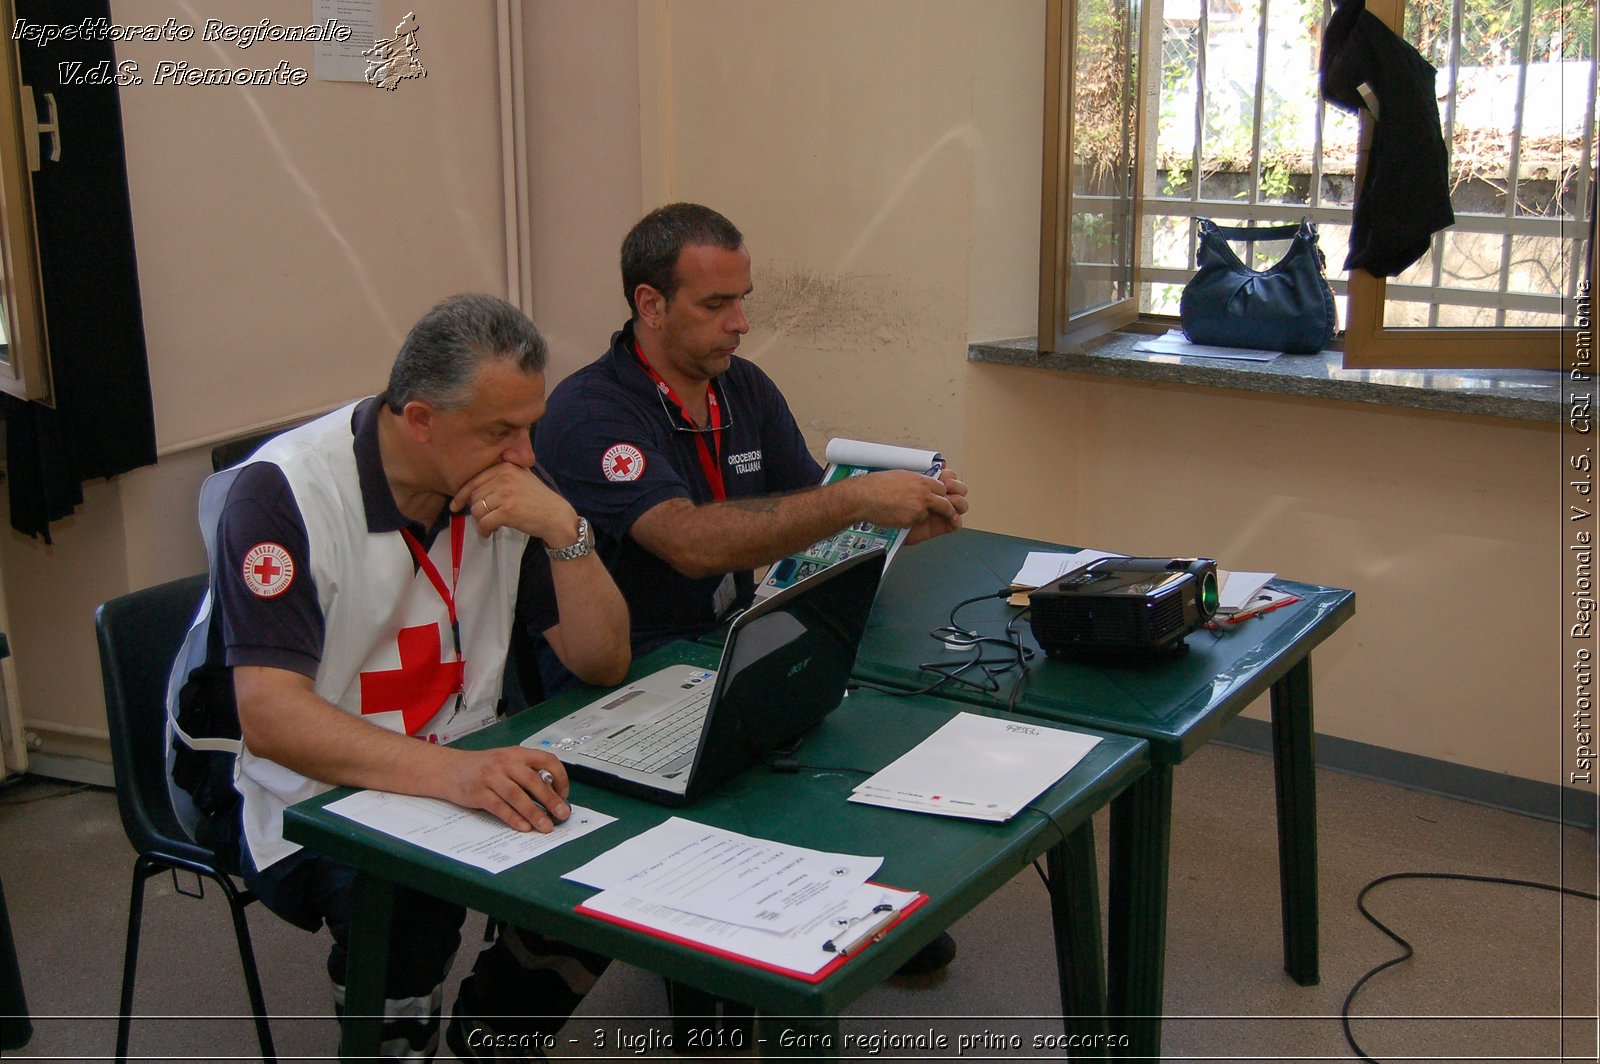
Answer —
650 250
442 353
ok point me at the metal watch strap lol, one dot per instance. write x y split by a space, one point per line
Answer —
583 546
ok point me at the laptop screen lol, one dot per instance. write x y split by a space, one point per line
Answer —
788 660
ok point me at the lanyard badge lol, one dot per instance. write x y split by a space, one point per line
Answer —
710 454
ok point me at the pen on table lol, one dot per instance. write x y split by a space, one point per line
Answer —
861 930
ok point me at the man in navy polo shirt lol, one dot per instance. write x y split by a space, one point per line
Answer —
686 458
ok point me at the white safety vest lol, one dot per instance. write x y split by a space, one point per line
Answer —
387 627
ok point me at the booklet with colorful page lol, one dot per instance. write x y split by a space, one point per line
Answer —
851 458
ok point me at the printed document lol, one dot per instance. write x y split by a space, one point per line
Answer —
469 835
722 874
980 768
851 458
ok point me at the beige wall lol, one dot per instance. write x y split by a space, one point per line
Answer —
839 136
882 159
582 58
287 237
1443 524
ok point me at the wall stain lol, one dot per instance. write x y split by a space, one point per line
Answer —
831 310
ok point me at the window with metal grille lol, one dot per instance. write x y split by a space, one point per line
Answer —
1231 126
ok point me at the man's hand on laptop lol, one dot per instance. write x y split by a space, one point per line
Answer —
525 788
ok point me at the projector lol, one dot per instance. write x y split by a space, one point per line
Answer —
1124 606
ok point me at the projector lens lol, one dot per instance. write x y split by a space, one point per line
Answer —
1209 597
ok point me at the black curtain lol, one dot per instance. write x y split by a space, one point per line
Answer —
102 422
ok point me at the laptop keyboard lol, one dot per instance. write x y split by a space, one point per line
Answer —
651 747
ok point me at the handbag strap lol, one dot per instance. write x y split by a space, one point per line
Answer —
1305 228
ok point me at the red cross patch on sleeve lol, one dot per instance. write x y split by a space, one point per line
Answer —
622 461
268 570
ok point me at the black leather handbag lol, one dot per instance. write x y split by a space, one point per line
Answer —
1287 307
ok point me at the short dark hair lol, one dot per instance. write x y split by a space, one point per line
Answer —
441 354
650 250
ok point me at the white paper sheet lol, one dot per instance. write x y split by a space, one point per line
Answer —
468 835
1239 588
343 60
1173 342
880 455
1046 567
981 768
727 876
800 949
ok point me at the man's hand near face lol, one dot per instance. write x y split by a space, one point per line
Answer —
591 639
508 495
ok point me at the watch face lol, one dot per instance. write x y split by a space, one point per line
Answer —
583 546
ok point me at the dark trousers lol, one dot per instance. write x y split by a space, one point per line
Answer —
522 984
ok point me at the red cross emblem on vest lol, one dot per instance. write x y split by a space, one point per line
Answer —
419 686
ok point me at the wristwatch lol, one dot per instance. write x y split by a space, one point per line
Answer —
584 545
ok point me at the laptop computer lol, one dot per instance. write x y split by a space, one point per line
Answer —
676 733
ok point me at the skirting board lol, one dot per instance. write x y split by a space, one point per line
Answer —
1546 801
73 769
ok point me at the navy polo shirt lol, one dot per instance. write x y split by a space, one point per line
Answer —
617 447
286 632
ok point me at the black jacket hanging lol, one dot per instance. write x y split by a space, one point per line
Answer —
1405 194
103 422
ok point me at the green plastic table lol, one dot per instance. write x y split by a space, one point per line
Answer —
1177 703
957 863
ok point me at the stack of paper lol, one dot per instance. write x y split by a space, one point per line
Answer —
980 768
1235 590
1245 595
1046 567
787 908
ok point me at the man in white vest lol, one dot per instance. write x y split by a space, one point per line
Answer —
368 570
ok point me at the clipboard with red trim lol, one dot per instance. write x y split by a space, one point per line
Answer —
758 948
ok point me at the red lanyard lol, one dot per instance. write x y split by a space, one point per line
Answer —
710 455
458 539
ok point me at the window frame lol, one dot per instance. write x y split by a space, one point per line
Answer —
1055 268
1366 343
24 358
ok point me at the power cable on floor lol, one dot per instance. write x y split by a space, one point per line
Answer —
1344 1010
18 781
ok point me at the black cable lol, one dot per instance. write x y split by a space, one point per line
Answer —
1344 1010
69 790
1037 867
990 668
1024 657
